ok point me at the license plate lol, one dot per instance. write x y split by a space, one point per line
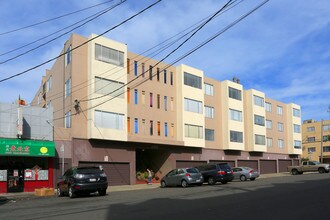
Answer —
92 180
198 181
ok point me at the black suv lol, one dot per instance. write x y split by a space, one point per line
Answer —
220 172
80 180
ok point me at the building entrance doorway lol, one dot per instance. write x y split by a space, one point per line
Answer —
15 180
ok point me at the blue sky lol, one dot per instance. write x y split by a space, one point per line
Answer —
283 49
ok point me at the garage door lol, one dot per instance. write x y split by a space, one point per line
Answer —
184 163
117 173
295 162
267 166
230 162
283 165
248 163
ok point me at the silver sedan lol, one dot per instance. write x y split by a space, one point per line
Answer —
244 173
182 177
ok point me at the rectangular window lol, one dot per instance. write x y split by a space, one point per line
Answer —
143 69
311 139
208 89
311 149
279 110
191 105
128 65
296 112
158 128
151 99
110 120
49 83
192 80
259 120
165 76
209 112
269 124
280 126
68 56
297 144
268 107
150 72
68 87
310 129
158 101
269 142
296 128
128 95
326 138
67 119
171 79
158 73
165 129
109 55
236 136
172 103
280 143
259 101
235 115
326 149
209 134
151 127
143 97
128 125
136 96
135 68
109 87
172 130
326 127
136 126
260 139
193 131
165 103
235 93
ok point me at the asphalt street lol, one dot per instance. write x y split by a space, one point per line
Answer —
289 197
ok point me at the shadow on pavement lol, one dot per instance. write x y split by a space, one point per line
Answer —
3 200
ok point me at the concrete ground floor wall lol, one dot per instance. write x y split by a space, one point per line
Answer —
122 160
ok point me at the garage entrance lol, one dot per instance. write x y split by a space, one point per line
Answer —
117 173
189 163
230 162
248 163
268 166
283 165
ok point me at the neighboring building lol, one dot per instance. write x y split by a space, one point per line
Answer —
122 111
313 148
26 148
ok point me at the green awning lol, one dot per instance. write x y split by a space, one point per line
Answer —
29 148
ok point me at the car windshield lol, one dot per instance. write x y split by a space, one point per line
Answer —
192 170
85 170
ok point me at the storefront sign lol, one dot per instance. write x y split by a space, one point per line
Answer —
18 147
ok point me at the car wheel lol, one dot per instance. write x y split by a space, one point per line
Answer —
252 179
321 170
163 184
211 181
71 193
102 192
59 192
242 178
294 172
184 183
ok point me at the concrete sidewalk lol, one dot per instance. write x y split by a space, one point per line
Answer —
23 195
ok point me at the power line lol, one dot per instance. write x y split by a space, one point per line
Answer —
44 37
51 40
52 19
69 51
185 55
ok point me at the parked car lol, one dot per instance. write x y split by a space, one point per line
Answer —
182 177
309 166
244 173
220 172
82 180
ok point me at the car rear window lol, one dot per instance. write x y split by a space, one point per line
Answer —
85 170
224 166
192 170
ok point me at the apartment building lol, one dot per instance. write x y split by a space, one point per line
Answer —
128 112
313 132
